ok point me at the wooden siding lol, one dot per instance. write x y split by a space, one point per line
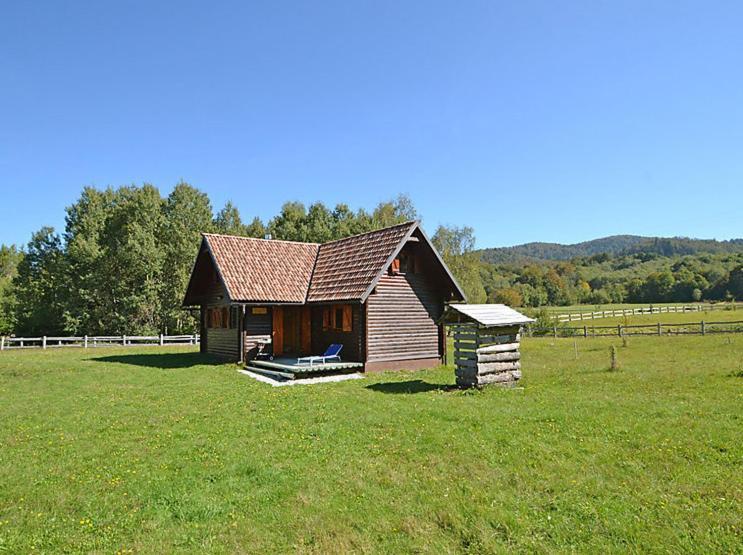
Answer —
402 314
353 341
212 293
223 343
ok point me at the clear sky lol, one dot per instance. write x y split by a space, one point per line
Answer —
528 120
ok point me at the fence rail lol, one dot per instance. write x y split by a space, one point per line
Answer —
688 328
85 341
594 315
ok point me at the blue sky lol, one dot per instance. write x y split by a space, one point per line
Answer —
528 120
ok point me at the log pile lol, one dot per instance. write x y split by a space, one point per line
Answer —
486 355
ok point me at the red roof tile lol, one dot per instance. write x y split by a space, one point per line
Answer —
347 267
259 270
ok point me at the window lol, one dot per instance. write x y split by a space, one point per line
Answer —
403 264
222 318
337 318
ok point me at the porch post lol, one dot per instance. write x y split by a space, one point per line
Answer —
241 335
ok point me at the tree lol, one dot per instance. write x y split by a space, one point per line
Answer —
320 226
133 262
394 212
255 229
455 245
509 296
186 213
228 221
84 306
290 223
37 287
10 257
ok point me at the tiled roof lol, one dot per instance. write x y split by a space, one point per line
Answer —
347 267
259 270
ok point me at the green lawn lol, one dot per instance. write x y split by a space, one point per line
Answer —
149 451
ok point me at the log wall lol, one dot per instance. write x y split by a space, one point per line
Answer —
401 319
486 355
223 342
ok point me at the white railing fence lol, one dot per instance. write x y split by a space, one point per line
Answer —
580 316
85 341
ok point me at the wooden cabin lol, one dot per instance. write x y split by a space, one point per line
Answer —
380 294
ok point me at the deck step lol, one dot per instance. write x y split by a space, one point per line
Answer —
300 370
270 373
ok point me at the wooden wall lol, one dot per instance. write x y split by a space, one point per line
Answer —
402 315
353 341
223 343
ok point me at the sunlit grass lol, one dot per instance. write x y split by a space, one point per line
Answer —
158 451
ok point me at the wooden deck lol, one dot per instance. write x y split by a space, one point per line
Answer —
289 368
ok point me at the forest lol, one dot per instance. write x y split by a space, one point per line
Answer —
122 262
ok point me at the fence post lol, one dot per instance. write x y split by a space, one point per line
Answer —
619 330
703 330
43 342
658 328
162 342
85 342
585 331
554 330
123 340
2 343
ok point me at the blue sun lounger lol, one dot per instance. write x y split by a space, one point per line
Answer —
331 353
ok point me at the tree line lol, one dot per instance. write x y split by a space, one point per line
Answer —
603 279
122 263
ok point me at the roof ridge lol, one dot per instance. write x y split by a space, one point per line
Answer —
205 234
409 222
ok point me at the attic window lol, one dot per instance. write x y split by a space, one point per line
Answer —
403 264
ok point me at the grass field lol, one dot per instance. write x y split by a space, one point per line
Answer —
150 451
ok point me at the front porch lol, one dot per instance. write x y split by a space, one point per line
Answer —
289 368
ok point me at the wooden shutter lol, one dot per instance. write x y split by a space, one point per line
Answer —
225 317
278 330
305 330
347 317
396 266
326 318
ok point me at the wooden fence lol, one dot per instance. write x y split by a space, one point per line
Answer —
581 316
688 328
85 341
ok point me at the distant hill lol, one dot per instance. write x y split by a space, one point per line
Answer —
613 245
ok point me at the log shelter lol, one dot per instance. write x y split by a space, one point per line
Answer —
486 343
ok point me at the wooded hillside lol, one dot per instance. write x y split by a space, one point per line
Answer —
615 245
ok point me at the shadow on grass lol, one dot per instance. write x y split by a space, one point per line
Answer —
410 386
162 360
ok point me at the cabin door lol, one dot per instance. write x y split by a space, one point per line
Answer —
292 330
